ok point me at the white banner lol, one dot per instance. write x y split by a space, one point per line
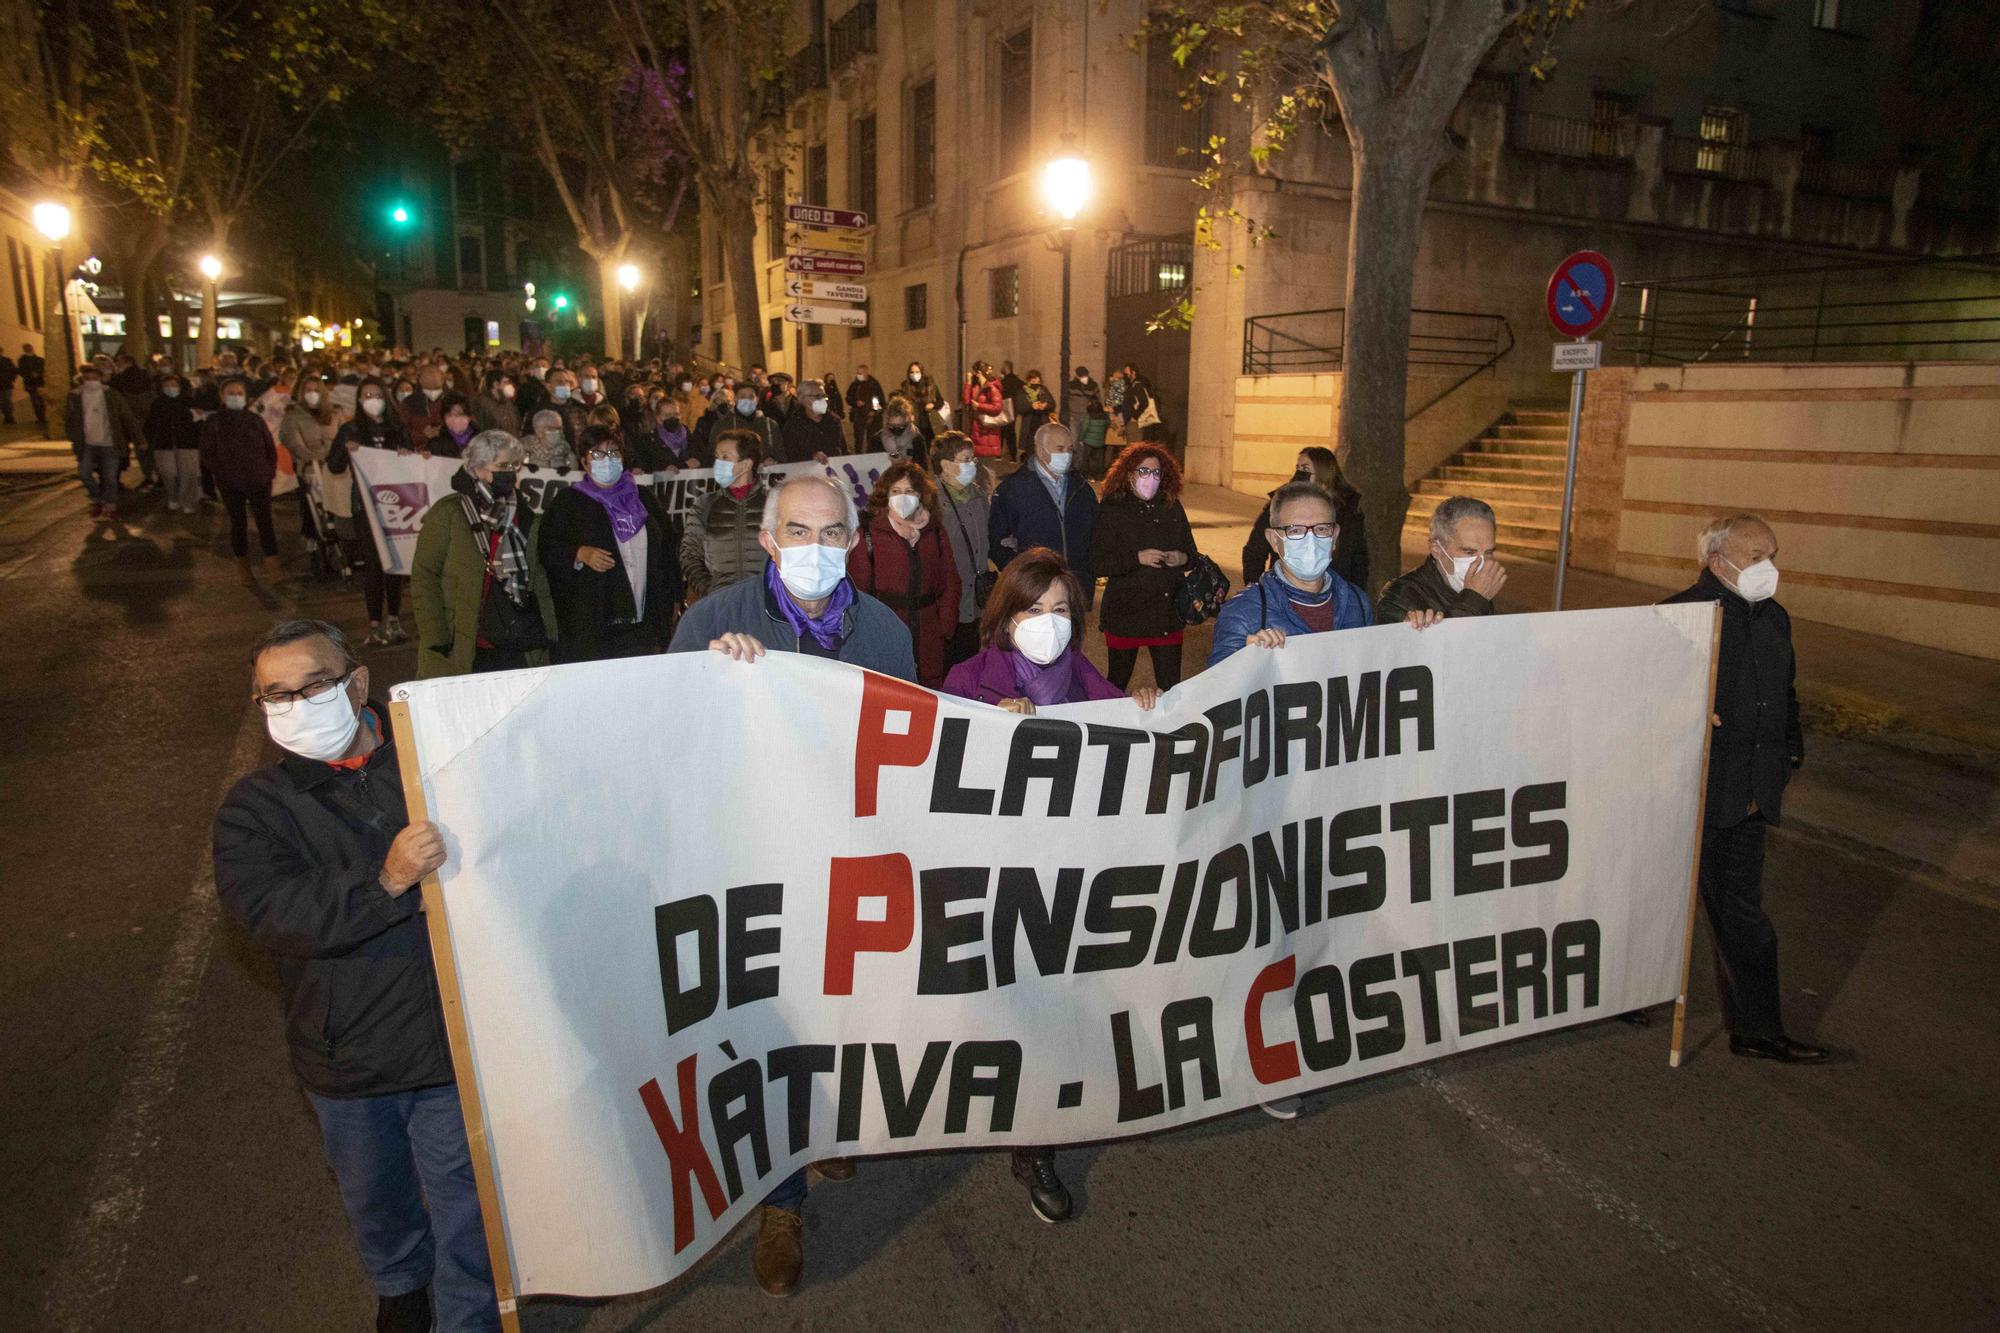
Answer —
398 489
896 922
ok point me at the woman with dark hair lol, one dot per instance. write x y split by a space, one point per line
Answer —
926 400
1321 467
1030 659
495 408
965 496
172 437
905 561
606 561
375 425
1142 546
457 428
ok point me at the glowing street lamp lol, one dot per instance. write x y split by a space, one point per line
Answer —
628 277
1067 187
52 220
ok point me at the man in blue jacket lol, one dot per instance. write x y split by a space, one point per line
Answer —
1046 504
1299 594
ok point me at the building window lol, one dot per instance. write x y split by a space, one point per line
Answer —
20 296
1827 13
471 265
1013 130
866 319
916 306
774 212
1608 115
861 188
1722 128
1174 133
923 144
466 191
1003 292
816 174
775 342
814 334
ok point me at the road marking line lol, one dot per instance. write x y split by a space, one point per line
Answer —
94 1260
1705 1271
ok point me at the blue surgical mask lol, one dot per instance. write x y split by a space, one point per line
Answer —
606 471
560 393
725 472
233 401
812 572
1308 556
1059 463
967 472
746 407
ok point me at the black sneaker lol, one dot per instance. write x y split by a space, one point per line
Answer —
407 1313
1036 1168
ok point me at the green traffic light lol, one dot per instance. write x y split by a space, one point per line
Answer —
562 302
400 215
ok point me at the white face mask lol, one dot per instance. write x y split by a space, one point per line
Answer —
1460 566
1755 583
319 729
1308 556
434 394
312 400
1042 638
372 406
1059 463
234 401
967 473
812 572
172 390
904 505
590 384
816 406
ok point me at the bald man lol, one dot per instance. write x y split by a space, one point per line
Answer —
1756 747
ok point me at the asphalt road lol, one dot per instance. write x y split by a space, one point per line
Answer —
164 1173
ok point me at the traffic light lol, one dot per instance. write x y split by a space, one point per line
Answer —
399 214
562 301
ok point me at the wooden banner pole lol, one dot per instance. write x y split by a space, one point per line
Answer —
446 963
1694 870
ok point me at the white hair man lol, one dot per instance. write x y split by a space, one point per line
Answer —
1757 744
1460 576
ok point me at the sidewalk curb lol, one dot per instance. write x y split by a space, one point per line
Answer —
1881 714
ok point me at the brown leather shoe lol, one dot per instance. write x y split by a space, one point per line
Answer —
835 1168
780 1255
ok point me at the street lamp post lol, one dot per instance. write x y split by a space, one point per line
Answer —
211 309
52 221
1066 185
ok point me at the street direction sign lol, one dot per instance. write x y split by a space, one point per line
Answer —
845 316
1579 355
822 290
1581 292
825 240
824 264
825 217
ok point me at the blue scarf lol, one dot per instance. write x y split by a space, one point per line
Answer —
824 627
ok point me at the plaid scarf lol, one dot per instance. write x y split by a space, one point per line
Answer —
491 517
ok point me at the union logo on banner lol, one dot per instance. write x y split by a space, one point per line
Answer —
402 504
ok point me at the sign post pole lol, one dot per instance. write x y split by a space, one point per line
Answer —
1581 293
1569 482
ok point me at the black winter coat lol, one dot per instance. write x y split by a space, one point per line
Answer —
804 435
298 848
586 602
170 424
1752 754
1424 589
1139 599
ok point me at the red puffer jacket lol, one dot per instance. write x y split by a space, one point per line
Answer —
918 582
984 400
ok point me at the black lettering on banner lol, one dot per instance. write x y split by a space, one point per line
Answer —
1224 744
1470 985
1102 916
1027 762
938 973
1209 938
1418 818
1297 704
1424 964
1187 1032
1134 1102
1353 721
903 1108
1574 949
1313 858
1170 762
1552 834
948 796
691 1002
743 905
796 1065
1524 963
1321 1046
1179 903
1369 862
1468 840
741 1083
1018 908
1256 739
1368 1005
989 1069
1410 701
853 1085
1117 743
1277 881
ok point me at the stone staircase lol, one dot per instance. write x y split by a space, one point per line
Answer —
1517 467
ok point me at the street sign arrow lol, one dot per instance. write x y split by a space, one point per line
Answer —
845 316
825 217
826 240
820 290
824 264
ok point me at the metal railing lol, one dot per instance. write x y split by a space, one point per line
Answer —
1898 310
1566 136
1313 341
1855 180
851 35
805 72
1709 157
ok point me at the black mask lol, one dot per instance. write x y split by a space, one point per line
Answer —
1302 475
502 484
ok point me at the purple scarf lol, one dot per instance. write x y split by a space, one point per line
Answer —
675 439
621 502
1044 685
824 627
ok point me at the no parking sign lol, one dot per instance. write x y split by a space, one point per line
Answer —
1581 292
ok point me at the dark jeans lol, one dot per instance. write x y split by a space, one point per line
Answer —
405 1177
36 401
790 1193
1746 943
1166 665
258 504
377 588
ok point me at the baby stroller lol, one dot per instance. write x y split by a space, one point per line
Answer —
330 556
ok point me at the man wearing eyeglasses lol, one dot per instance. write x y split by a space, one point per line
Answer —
1299 594
317 858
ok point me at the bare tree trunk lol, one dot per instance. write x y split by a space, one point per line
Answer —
733 209
58 341
608 261
139 330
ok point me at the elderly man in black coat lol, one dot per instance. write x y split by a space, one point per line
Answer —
1757 745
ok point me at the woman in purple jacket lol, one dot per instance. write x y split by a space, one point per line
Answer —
1028 659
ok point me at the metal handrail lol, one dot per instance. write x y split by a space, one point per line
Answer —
1490 363
1269 347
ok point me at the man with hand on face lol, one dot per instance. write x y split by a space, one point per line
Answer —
317 858
804 603
1757 746
1459 577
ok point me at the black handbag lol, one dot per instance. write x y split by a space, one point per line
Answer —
1204 588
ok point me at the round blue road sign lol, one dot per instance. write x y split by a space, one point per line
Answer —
1581 292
